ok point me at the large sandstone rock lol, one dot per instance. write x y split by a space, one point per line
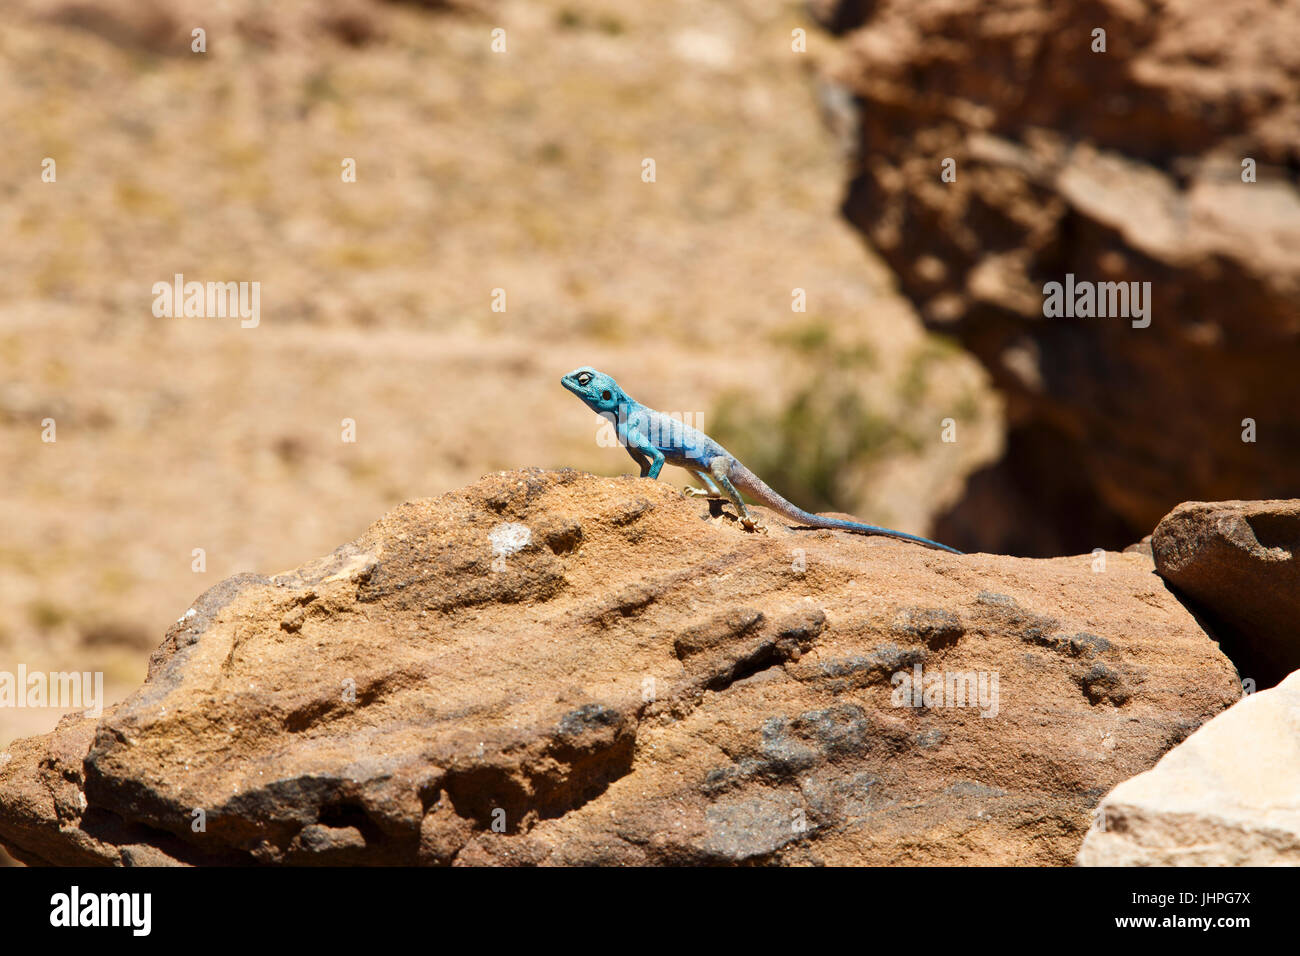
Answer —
1122 166
1237 563
1229 795
557 668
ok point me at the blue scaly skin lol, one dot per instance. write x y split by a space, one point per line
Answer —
653 438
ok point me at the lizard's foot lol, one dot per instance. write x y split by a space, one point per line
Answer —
749 524
697 493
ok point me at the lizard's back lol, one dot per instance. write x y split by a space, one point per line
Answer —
678 441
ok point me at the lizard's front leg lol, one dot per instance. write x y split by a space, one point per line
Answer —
638 445
642 461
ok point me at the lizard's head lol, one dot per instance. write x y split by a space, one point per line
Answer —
598 390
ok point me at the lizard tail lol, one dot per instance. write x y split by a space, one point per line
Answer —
751 484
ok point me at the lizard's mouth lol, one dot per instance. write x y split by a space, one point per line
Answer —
571 385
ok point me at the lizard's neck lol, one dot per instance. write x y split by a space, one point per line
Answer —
628 402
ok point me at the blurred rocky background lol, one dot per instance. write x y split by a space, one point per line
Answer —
1108 139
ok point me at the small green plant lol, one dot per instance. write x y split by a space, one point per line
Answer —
810 449
805 449
46 615
816 338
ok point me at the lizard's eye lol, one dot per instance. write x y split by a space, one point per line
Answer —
605 396
584 378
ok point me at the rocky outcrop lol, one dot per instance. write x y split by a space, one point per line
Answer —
549 667
1117 166
1237 564
1229 795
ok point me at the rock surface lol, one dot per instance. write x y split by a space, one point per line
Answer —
1115 166
1237 563
1229 795
549 667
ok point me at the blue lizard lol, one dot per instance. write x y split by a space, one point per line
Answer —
652 438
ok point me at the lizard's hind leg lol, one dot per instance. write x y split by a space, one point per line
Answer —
710 489
718 469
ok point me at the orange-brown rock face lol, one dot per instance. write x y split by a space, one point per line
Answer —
1122 164
1237 563
550 667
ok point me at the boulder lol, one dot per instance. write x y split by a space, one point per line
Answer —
1229 795
551 667
1237 564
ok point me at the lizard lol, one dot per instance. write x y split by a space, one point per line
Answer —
653 439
